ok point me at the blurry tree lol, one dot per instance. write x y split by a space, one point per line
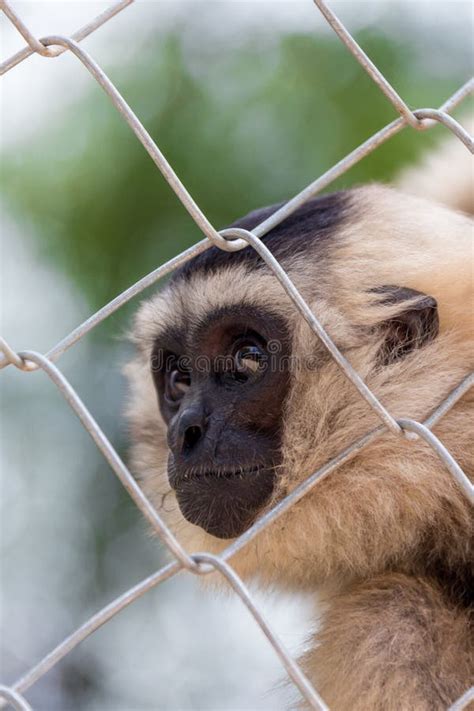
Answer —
244 129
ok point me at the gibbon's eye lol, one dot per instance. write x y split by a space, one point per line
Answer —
248 360
176 385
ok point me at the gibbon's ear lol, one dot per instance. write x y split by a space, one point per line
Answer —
414 322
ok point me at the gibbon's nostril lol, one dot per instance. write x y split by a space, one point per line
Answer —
191 437
190 429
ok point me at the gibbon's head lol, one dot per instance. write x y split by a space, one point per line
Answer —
234 400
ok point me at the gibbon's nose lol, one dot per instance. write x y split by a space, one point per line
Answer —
191 427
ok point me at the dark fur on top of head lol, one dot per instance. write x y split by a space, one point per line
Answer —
391 281
305 230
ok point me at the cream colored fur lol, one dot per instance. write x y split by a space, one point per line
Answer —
446 175
363 534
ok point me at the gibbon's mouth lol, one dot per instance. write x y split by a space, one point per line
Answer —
224 502
241 472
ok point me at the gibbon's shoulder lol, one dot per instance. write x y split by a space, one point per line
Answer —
444 175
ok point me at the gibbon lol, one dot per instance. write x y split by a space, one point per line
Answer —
234 402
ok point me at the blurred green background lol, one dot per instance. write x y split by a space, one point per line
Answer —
244 123
250 128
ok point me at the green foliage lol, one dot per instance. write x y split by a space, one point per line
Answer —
242 129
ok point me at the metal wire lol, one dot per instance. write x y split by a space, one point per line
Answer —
78 35
229 240
464 701
14 699
346 37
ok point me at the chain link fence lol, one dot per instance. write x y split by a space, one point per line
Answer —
229 240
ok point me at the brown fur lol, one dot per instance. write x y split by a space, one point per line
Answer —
396 644
388 536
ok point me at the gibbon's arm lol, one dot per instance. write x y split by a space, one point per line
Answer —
392 644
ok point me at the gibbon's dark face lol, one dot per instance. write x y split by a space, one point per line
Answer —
222 379
222 373
221 388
